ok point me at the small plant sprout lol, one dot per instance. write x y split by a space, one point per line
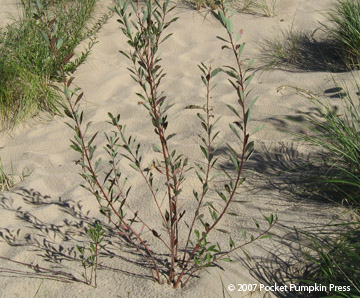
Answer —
89 256
6 181
186 235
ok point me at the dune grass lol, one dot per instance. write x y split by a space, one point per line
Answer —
334 261
344 30
336 258
336 48
286 49
27 67
337 135
267 8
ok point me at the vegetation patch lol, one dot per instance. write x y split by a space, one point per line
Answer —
27 67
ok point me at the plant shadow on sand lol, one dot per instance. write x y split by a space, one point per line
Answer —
285 175
281 169
291 176
55 244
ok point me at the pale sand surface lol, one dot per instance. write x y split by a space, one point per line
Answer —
9 10
44 216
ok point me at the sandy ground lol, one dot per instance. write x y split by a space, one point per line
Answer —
9 11
44 216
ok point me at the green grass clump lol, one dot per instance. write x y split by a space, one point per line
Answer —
337 135
335 261
336 257
27 67
287 49
344 29
266 8
198 4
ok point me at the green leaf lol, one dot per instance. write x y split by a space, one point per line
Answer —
212 248
170 136
249 147
125 54
246 254
215 72
165 5
59 43
92 139
223 231
193 107
135 167
197 233
231 243
202 68
229 26
241 48
68 113
67 92
256 223
247 117
166 37
233 128
221 195
46 38
205 188
222 17
264 236
248 80
270 219
235 162
204 80
197 262
232 74
232 213
204 151
198 175
233 110
222 39
156 148
226 259
97 163
216 15
227 188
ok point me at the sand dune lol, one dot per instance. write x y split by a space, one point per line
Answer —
44 216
